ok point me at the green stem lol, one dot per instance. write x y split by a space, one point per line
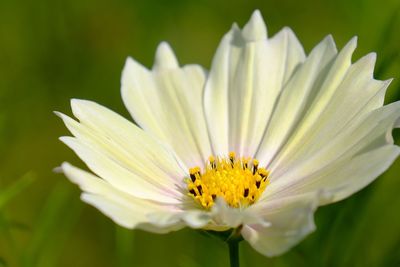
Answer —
232 237
234 252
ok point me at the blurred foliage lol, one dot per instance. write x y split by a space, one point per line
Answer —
51 51
7 194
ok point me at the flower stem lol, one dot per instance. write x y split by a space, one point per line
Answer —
234 252
232 237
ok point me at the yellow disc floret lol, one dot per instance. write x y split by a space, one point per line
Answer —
239 181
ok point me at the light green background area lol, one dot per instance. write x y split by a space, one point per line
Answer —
52 51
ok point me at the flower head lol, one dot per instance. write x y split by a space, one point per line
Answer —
257 143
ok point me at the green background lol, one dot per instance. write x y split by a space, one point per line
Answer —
51 51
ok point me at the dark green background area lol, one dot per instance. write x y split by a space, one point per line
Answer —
51 51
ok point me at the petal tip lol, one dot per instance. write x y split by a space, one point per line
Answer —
75 105
63 168
129 60
58 169
129 63
64 139
76 102
354 40
235 27
330 41
351 45
80 105
58 114
329 38
255 29
388 81
372 56
165 57
287 30
368 62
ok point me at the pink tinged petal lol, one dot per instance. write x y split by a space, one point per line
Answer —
246 77
123 154
166 102
123 208
291 219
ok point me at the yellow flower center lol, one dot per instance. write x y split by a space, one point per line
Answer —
239 181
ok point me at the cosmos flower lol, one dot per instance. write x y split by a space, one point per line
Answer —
255 144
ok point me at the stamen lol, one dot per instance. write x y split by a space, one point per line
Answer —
263 173
246 192
231 178
211 159
200 189
245 163
193 172
255 166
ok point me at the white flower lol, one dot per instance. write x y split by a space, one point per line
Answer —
258 142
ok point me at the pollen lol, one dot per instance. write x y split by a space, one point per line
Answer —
239 181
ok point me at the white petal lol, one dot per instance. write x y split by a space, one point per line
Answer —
373 132
349 162
246 77
193 218
366 143
122 208
348 94
123 154
295 98
255 29
166 102
165 57
363 170
291 219
224 216
341 179
334 77
216 98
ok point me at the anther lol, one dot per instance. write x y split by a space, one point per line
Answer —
246 192
200 189
191 191
211 159
263 173
239 181
255 166
232 157
258 179
193 172
245 164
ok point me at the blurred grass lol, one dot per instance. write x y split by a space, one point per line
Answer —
124 239
10 192
6 224
54 223
51 51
